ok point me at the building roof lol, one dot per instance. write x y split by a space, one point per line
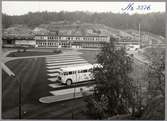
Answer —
77 67
80 67
70 35
19 37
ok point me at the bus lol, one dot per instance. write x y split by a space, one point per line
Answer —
76 73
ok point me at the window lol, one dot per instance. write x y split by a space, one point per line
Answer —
83 71
70 72
65 73
90 70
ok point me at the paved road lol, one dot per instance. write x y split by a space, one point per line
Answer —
6 59
139 58
53 62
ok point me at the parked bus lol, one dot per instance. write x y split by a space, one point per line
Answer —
76 73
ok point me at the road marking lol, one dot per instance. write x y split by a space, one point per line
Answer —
53 70
71 90
52 99
65 65
69 65
53 74
52 79
54 64
55 85
63 57
69 60
56 56
60 59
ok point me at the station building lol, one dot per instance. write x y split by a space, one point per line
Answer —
15 40
70 41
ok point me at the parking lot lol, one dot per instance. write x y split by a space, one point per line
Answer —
53 64
37 77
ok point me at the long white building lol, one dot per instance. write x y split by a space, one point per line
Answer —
70 41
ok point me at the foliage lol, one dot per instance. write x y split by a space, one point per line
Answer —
153 22
155 77
113 91
156 74
155 110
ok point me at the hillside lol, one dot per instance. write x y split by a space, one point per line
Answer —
153 22
78 28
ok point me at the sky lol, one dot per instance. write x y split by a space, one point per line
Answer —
23 7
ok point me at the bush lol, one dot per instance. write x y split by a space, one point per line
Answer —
57 51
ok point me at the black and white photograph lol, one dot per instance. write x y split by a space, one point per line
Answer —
80 60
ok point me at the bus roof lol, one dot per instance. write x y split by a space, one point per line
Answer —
77 67
80 67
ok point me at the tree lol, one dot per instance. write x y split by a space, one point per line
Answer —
155 108
152 22
156 74
113 91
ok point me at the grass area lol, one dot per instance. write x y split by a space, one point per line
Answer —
89 55
30 53
32 74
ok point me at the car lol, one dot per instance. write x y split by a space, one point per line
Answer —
132 47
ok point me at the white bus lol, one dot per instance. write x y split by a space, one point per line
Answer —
76 73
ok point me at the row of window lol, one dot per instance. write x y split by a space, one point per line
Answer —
66 44
72 38
52 43
47 44
80 71
91 45
54 37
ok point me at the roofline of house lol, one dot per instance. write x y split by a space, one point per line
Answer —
70 35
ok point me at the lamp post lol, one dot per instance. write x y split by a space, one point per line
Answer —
19 95
140 41
74 97
13 76
72 105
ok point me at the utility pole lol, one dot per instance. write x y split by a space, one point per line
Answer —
74 96
140 37
72 106
20 95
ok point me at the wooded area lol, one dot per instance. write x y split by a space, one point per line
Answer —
153 22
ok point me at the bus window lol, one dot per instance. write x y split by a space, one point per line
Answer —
84 71
65 73
90 70
81 71
70 72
